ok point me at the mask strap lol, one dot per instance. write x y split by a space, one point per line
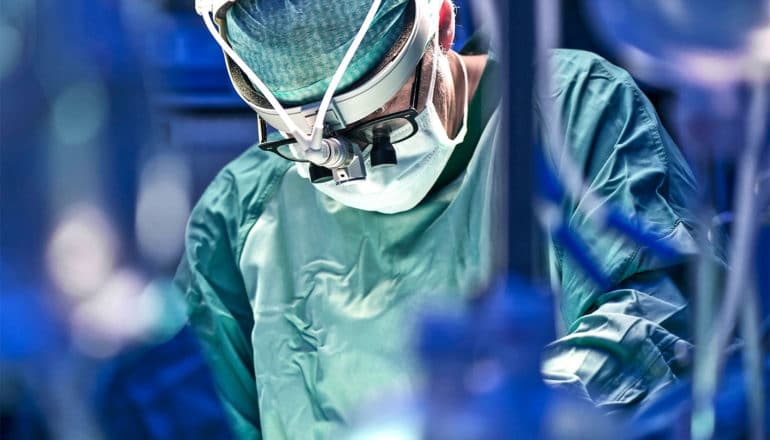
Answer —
434 72
462 131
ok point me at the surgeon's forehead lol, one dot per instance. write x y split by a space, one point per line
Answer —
397 48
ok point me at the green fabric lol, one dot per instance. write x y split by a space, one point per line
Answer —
295 46
305 306
624 344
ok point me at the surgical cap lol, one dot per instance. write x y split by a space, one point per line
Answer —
295 46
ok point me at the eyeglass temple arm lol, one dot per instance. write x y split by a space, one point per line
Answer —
417 81
261 129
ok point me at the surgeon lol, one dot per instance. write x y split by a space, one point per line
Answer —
309 257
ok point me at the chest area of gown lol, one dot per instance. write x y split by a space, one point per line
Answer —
336 301
358 266
349 288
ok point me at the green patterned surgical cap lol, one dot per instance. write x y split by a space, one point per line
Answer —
295 46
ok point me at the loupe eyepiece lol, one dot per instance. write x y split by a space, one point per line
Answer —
338 159
319 174
383 153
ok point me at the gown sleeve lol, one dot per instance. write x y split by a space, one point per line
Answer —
620 344
218 305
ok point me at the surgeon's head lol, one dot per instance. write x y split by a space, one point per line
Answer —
295 46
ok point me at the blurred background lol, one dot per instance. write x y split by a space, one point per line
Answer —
114 116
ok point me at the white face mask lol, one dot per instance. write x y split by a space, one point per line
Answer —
421 159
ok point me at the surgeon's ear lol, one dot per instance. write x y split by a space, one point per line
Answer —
446 25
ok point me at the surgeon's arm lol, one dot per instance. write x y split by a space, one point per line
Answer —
624 344
630 345
218 305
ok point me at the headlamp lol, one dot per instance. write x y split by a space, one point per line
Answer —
303 123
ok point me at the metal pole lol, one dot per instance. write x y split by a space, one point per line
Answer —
516 187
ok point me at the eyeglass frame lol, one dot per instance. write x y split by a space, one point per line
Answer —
409 115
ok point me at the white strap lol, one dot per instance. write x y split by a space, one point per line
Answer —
319 122
207 8
214 7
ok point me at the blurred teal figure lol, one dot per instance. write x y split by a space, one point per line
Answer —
304 290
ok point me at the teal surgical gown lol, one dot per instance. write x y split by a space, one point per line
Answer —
305 307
